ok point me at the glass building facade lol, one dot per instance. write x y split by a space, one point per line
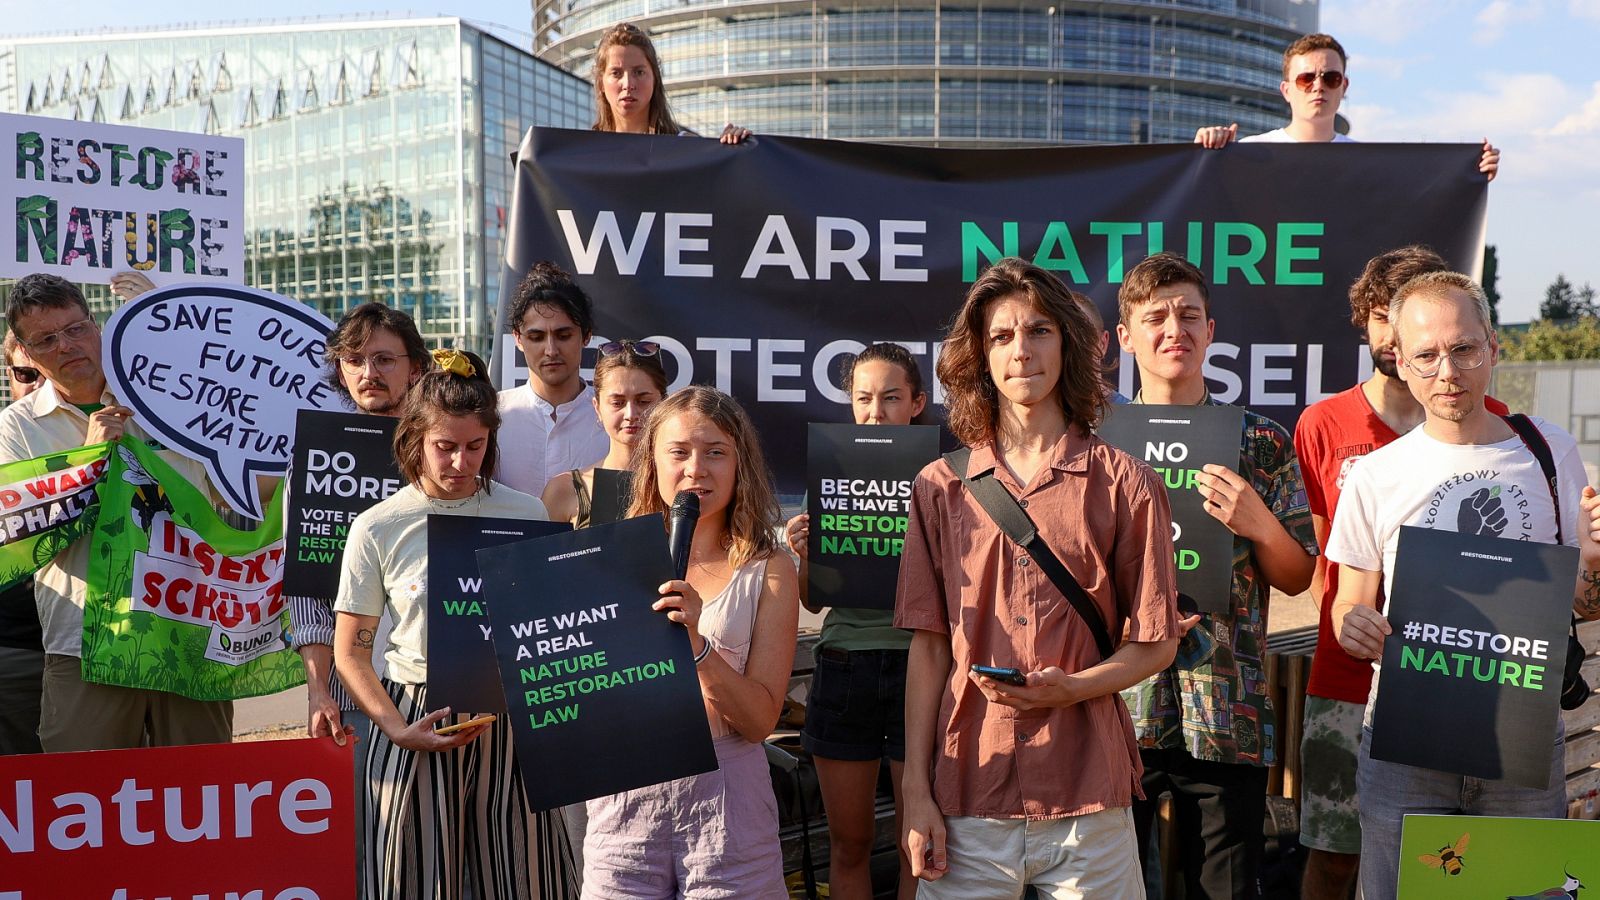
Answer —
377 152
1023 72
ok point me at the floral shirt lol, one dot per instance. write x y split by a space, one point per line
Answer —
1217 708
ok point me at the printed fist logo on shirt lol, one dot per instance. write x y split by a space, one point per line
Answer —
1482 512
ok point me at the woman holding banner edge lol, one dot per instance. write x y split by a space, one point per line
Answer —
628 380
627 73
714 834
445 809
855 714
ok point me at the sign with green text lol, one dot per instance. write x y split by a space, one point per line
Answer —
1471 675
858 481
343 464
461 668
763 270
602 689
1178 441
1451 857
92 199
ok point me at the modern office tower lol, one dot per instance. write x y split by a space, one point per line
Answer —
377 150
1017 73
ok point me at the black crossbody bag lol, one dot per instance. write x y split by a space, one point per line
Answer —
1016 524
1574 689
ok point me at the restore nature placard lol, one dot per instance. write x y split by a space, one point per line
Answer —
859 499
601 689
1471 675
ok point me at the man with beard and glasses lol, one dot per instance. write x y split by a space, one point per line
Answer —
374 355
1331 436
1464 469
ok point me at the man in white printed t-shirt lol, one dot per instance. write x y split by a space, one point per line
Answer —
1314 83
1464 470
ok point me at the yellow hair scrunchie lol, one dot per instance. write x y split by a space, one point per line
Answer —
455 362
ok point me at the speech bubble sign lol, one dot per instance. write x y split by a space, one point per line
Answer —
218 373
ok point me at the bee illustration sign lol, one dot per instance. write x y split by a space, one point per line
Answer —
46 504
93 199
1449 857
177 600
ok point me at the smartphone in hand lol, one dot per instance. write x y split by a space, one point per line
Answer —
1003 675
463 726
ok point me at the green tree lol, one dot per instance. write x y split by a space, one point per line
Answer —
1563 301
1578 338
1491 278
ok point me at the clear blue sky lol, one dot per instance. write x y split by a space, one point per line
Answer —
1520 72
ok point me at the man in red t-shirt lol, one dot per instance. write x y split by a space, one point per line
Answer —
1331 436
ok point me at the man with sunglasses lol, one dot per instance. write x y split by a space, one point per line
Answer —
549 425
70 409
1314 83
1464 470
21 639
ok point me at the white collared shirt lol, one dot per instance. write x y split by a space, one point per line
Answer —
43 423
539 440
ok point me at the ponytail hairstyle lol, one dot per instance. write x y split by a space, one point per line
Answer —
458 387
753 512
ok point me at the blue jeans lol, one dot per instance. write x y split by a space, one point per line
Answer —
1388 792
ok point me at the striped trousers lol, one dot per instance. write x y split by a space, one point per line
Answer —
440 822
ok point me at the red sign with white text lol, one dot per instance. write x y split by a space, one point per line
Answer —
266 820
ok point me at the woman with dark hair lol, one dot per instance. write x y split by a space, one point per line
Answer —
855 712
446 810
711 835
628 380
627 80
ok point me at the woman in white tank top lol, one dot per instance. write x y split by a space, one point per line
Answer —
713 835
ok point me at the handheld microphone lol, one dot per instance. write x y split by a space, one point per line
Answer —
685 514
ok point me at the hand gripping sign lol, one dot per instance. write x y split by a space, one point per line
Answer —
218 373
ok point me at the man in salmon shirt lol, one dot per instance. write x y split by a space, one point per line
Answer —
1331 436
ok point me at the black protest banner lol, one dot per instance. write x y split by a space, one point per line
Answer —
343 464
461 667
858 483
588 667
757 267
1178 441
609 499
1471 676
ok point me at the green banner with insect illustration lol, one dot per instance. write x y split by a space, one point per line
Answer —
92 199
1458 857
46 504
177 600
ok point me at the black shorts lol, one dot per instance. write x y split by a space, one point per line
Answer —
857 706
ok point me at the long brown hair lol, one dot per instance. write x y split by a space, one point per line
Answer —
753 512
441 393
970 395
627 34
